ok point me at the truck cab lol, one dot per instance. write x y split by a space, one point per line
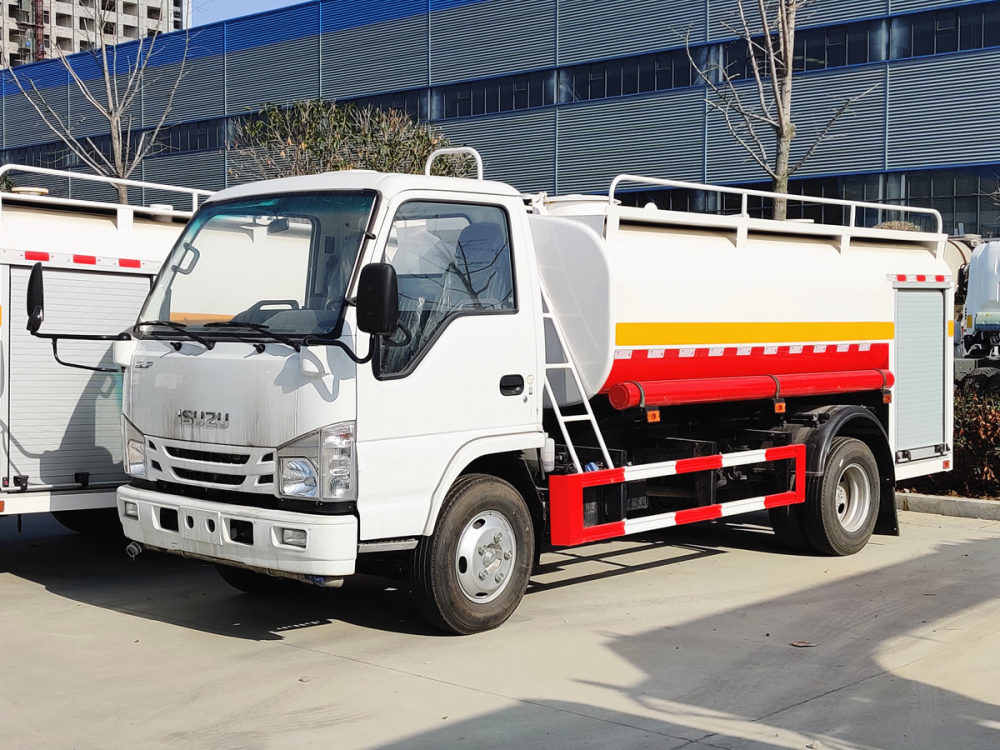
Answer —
270 399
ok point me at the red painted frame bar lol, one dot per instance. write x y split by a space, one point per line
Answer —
566 495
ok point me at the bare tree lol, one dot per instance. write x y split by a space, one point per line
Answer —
124 75
759 115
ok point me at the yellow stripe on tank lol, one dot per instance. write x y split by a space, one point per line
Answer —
720 334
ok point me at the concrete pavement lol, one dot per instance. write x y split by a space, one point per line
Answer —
681 639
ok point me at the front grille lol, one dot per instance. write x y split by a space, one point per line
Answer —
233 459
233 480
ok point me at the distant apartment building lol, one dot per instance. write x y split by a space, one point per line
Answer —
42 29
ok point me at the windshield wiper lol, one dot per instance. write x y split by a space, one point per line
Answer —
260 328
180 328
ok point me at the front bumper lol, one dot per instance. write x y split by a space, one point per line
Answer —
218 531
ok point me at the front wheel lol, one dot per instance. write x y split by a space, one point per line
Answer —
842 505
471 574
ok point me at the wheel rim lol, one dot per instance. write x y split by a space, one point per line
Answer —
854 497
485 556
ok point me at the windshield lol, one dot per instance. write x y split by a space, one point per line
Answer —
267 264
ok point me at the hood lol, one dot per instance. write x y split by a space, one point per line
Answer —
232 395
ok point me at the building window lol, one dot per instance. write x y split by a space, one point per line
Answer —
509 94
942 31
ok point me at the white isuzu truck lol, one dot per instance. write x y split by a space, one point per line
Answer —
441 373
60 448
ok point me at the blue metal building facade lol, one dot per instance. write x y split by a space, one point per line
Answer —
561 95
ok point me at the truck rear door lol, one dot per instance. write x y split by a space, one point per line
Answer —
922 395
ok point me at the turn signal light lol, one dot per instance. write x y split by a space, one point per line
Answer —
652 415
886 397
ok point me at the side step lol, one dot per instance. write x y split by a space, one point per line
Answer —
566 495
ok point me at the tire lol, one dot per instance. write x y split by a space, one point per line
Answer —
789 528
978 381
252 582
99 523
470 575
842 505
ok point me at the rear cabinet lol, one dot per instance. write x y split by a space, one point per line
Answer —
921 375
59 424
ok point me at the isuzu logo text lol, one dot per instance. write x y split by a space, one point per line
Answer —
196 418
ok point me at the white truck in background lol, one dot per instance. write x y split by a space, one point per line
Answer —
60 442
977 338
356 369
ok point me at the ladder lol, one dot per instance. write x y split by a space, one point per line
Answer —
567 365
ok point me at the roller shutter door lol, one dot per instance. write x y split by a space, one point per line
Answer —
920 373
63 420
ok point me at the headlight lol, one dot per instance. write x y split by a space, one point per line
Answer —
133 450
298 477
320 465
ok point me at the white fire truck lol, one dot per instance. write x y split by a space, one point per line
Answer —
356 367
60 447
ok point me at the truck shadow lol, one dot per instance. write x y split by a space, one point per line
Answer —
191 594
897 658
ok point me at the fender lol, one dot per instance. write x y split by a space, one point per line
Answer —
850 420
469 452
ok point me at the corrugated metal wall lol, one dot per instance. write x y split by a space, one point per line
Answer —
901 6
839 11
200 94
205 169
660 136
247 89
370 46
856 139
932 108
594 31
491 38
22 126
297 59
389 56
518 148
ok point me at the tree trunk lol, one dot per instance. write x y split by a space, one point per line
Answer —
780 181
122 194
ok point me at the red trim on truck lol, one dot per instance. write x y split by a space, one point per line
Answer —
747 388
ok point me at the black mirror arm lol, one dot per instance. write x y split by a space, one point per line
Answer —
54 338
372 345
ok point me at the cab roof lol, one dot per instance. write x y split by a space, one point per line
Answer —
363 179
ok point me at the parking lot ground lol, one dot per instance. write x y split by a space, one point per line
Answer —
678 639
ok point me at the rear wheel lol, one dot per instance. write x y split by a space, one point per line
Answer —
471 574
842 505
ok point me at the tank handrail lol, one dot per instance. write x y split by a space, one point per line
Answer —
745 193
467 150
195 193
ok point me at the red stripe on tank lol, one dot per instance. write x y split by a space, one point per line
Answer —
682 364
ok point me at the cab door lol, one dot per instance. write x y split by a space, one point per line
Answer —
460 372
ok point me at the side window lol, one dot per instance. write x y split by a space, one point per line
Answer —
451 259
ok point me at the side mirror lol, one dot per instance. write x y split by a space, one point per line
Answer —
36 299
378 299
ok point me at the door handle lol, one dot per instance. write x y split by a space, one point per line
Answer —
511 385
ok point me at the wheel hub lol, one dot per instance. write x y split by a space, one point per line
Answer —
485 556
853 497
